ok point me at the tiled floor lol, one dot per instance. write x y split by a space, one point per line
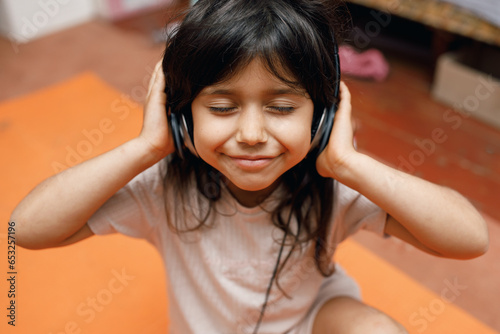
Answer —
392 115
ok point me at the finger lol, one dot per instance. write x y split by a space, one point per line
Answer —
153 77
343 125
343 113
345 97
157 79
355 128
356 125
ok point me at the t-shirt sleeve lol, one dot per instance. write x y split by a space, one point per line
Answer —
136 209
353 212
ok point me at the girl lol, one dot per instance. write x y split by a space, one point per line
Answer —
246 215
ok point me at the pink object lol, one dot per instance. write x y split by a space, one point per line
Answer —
368 64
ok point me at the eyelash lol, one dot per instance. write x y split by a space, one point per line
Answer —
221 109
281 110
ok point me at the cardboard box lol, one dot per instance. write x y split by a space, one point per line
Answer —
469 82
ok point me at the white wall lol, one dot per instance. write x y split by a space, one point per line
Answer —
24 20
117 9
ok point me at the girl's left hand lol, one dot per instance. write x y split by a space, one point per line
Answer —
333 161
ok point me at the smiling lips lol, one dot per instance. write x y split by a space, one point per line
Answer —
251 162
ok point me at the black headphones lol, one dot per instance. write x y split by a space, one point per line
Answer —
182 126
320 132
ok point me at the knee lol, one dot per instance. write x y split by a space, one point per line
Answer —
376 322
348 316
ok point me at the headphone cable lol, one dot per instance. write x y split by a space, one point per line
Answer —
268 292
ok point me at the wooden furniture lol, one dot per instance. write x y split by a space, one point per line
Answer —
440 15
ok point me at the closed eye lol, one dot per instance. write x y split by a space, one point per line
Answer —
278 109
221 110
282 110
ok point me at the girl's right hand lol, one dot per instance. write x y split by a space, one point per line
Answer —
155 129
55 214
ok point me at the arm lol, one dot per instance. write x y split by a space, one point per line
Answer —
433 218
56 211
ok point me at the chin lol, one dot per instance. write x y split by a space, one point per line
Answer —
251 186
251 183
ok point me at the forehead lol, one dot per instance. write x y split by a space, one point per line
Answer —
255 75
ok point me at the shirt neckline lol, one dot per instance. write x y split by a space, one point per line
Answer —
267 206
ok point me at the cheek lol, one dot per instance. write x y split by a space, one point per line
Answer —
208 134
295 134
298 139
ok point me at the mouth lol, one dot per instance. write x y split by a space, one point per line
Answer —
252 162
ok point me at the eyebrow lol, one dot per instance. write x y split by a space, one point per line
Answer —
279 91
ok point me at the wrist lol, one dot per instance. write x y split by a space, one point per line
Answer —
146 153
154 153
352 169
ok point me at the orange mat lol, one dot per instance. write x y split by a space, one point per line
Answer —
115 284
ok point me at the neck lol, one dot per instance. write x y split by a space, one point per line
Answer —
250 198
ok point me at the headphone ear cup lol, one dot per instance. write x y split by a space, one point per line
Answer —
181 135
187 135
326 130
317 129
321 135
177 134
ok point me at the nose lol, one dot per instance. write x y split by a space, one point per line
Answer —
251 127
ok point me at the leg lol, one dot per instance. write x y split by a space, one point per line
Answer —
345 315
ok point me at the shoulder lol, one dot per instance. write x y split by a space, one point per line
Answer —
153 175
346 198
353 211
136 208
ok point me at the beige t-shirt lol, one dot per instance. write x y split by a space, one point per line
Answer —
217 276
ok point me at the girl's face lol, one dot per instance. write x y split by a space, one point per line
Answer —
252 128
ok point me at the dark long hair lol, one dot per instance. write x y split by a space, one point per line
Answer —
293 39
